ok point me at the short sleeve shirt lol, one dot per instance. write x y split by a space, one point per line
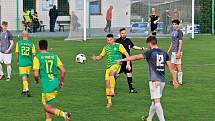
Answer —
156 59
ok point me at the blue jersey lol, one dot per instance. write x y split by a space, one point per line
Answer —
156 59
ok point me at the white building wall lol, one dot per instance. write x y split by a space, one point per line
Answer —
119 18
8 13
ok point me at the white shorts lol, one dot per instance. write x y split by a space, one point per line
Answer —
174 60
156 89
5 58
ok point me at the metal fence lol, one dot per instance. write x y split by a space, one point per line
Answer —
96 18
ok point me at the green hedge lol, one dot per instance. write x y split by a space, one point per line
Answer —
205 15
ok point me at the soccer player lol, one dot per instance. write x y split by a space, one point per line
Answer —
153 20
46 66
6 44
25 51
156 59
176 48
128 44
114 52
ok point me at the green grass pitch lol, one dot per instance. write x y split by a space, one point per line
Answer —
84 92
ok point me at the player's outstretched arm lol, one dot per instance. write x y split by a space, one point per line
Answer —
96 58
171 69
139 48
132 58
62 75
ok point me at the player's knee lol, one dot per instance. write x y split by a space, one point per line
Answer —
157 100
129 74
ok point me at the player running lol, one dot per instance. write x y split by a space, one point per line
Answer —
25 51
128 44
114 52
156 59
46 66
176 48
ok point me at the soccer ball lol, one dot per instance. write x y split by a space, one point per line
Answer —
80 58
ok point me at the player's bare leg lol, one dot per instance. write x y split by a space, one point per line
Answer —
48 116
9 70
1 72
49 109
180 73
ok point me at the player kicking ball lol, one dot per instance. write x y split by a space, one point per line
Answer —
114 52
46 66
25 51
157 59
176 48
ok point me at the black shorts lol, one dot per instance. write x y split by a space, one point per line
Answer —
154 27
123 68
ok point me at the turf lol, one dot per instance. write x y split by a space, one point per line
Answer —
84 92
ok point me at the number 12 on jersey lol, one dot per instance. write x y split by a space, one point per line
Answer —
160 60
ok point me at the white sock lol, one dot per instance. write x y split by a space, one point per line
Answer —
9 70
180 75
64 115
159 111
1 70
151 112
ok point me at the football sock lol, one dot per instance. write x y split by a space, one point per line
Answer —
60 113
151 112
112 83
9 69
109 99
1 70
159 111
25 86
48 119
130 83
180 75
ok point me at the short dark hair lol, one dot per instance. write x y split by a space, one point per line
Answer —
122 29
152 40
176 21
43 44
109 36
4 23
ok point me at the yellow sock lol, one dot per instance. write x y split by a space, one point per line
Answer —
48 119
112 83
58 112
25 85
109 99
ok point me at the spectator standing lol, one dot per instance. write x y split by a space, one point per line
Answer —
53 14
108 19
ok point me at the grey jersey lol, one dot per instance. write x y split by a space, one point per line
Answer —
156 59
5 38
176 36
